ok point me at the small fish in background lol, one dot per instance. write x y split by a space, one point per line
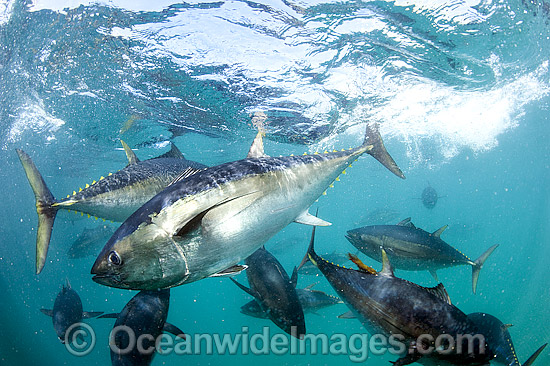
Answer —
67 310
274 292
89 241
311 300
500 340
379 216
385 304
413 249
429 197
144 314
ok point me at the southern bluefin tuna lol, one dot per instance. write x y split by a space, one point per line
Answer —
67 313
144 317
413 249
205 224
500 341
394 307
275 292
113 197
311 300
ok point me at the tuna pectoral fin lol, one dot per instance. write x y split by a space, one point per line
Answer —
308 219
91 314
531 359
171 328
478 264
48 312
379 152
231 271
245 289
434 274
46 212
109 316
408 359
347 315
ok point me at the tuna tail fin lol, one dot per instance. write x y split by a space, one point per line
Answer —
44 208
478 264
533 357
379 152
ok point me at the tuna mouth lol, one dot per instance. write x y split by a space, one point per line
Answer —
111 280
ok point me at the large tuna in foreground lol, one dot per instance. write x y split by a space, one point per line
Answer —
414 315
205 224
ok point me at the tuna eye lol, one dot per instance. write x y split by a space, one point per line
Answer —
114 258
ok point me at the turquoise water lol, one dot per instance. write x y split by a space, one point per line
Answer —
461 90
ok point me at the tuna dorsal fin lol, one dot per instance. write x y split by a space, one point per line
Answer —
362 266
185 174
439 231
308 219
531 359
174 152
257 148
407 222
109 316
171 328
132 158
294 278
506 326
386 265
440 292
231 271
48 312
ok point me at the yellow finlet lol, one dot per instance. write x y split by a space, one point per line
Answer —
102 177
87 186
74 192
331 185
110 173
80 189
324 193
337 179
94 182
344 171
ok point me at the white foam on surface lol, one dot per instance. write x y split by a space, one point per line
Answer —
33 117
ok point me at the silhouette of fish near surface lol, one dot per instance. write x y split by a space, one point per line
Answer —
205 224
67 313
144 314
392 306
413 249
114 197
500 341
